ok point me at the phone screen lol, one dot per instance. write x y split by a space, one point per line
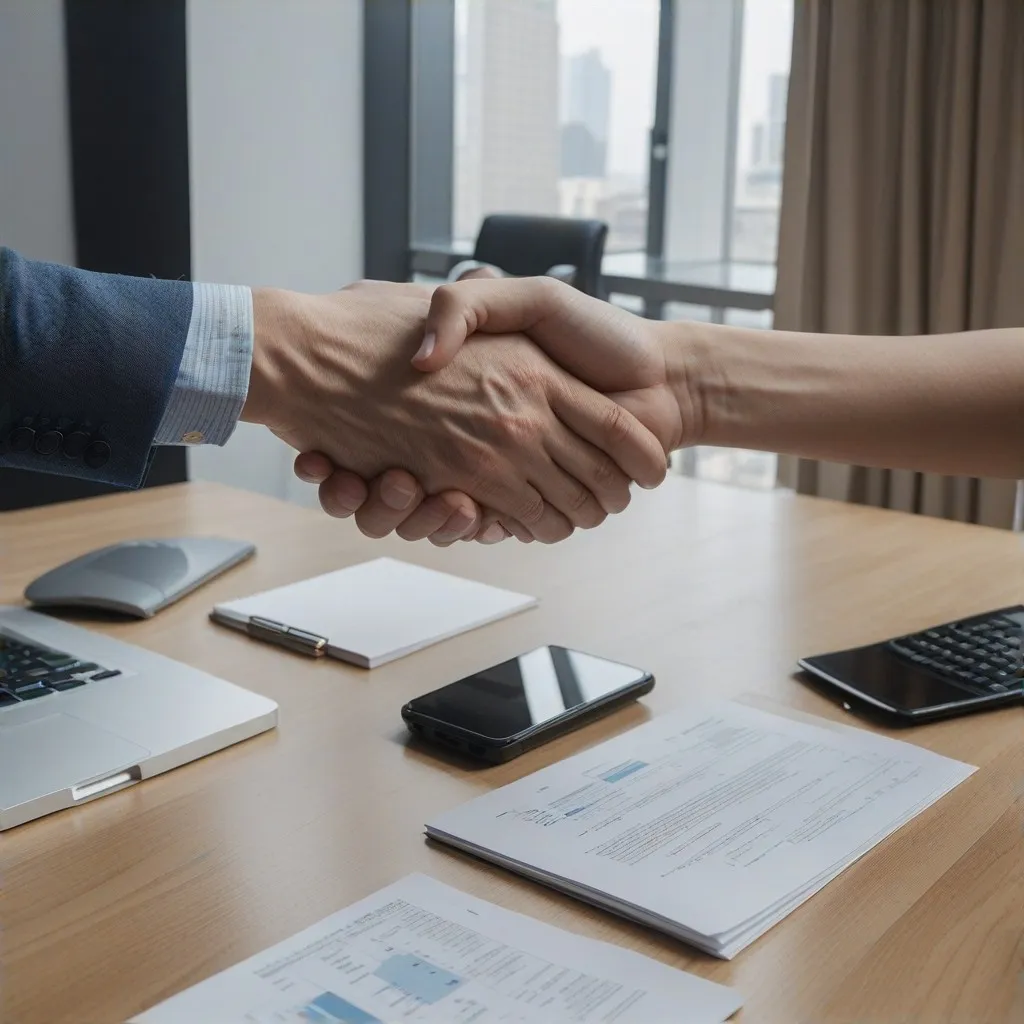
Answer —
527 691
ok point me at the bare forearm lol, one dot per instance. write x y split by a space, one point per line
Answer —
943 403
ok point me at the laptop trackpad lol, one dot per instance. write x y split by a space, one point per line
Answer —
54 753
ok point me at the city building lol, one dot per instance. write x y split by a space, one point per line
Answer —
759 188
508 141
585 113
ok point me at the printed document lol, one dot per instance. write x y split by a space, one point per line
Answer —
420 951
709 823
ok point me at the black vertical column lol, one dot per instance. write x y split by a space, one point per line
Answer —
128 109
128 112
387 53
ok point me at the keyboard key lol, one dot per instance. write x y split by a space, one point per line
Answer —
106 674
57 659
31 692
66 683
8 698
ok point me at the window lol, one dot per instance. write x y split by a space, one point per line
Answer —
761 128
554 102
665 118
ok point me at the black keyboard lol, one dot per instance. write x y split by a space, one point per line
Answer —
28 671
983 653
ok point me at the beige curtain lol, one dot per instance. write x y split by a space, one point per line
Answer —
903 200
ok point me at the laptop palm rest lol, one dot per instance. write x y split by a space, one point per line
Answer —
60 752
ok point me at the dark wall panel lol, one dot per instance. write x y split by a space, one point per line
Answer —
128 111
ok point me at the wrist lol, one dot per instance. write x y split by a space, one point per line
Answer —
274 320
689 370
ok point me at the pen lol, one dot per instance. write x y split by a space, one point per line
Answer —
286 636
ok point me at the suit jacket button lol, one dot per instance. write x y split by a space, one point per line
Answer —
97 454
49 443
75 443
22 439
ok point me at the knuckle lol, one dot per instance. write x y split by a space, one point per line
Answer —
486 464
618 426
448 302
521 430
578 499
525 377
446 298
607 474
531 510
549 288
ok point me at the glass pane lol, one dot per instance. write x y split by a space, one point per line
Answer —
761 319
554 101
735 466
761 128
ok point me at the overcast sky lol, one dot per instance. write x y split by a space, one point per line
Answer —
626 33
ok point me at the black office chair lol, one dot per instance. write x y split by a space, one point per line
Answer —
530 246
22 488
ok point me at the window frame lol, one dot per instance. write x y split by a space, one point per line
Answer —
409 76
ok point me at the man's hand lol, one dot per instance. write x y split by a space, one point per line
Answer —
606 347
505 426
602 345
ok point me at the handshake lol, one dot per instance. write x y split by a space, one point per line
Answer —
482 410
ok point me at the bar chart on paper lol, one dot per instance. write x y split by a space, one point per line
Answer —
402 978
423 953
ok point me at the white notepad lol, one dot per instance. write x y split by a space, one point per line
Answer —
371 613
711 823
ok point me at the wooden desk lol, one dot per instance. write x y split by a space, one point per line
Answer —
116 905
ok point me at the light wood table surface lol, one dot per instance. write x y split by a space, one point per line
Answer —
111 907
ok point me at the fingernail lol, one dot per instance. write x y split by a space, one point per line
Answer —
493 534
455 528
347 498
397 496
427 347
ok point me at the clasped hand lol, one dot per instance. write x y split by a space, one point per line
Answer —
582 449
513 436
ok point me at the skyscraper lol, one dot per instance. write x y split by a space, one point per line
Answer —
778 86
507 156
586 101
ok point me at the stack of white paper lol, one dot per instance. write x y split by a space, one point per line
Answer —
709 824
420 951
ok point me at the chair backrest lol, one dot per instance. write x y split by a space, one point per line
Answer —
22 488
530 246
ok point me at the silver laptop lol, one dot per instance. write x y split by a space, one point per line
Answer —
82 715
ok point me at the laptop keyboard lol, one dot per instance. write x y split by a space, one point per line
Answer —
28 671
984 653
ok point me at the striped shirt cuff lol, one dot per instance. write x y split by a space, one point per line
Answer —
213 378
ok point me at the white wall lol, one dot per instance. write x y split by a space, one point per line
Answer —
275 144
35 165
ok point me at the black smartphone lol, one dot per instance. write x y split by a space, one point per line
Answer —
503 711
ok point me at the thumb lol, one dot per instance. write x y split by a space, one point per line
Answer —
492 306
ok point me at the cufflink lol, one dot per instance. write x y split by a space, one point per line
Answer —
193 437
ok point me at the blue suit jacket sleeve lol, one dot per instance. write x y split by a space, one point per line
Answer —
87 364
